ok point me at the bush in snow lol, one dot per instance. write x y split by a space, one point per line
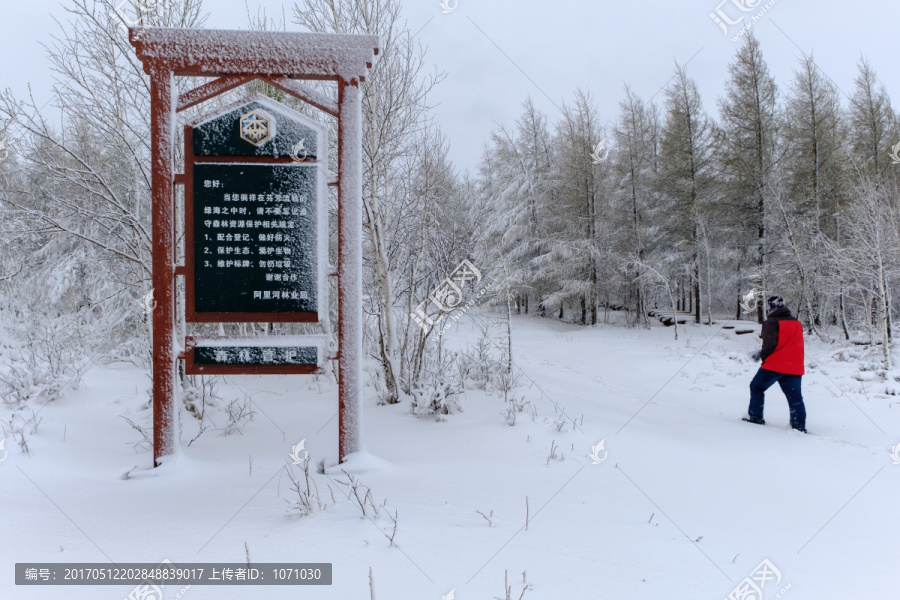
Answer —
438 389
200 392
42 356
477 366
436 398
486 365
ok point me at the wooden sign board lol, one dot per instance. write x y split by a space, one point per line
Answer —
274 355
267 133
255 216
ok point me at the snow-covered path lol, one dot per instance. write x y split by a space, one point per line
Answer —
688 501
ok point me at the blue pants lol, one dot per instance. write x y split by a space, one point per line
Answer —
790 385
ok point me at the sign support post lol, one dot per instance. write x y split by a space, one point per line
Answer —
162 133
350 266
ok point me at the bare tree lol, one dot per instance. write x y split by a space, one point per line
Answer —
869 256
396 111
84 184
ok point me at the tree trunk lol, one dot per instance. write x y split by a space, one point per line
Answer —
843 315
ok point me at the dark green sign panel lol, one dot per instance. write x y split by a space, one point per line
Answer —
254 224
244 355
255 238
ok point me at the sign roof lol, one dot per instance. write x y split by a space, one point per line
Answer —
216 52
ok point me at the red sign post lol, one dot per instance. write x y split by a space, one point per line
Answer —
235 58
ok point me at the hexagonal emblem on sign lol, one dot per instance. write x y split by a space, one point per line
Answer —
257 127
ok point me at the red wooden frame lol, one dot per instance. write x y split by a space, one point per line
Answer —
235 58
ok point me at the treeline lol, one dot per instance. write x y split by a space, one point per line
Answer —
681 207
674 207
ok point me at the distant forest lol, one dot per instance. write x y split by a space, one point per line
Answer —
788 188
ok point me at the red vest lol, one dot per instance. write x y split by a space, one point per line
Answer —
788 355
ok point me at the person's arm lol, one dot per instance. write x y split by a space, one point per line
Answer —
769 338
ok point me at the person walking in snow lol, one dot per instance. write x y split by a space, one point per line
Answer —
782 358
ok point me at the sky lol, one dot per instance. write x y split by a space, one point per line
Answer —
496 53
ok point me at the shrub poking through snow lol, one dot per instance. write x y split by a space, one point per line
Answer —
199 392
240 412
18 426
507 588
437 398
305 499
514 406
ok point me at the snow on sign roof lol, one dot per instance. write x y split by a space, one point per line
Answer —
216 52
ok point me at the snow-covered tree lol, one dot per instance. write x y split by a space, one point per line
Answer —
635 167
578 248
873 124
518 192
816 173
748 154
685 178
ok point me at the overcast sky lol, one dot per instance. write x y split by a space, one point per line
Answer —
495 53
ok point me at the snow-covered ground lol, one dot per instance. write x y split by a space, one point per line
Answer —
686 503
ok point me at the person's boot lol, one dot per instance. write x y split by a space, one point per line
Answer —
756 420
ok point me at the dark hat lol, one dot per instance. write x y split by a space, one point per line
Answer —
775 302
